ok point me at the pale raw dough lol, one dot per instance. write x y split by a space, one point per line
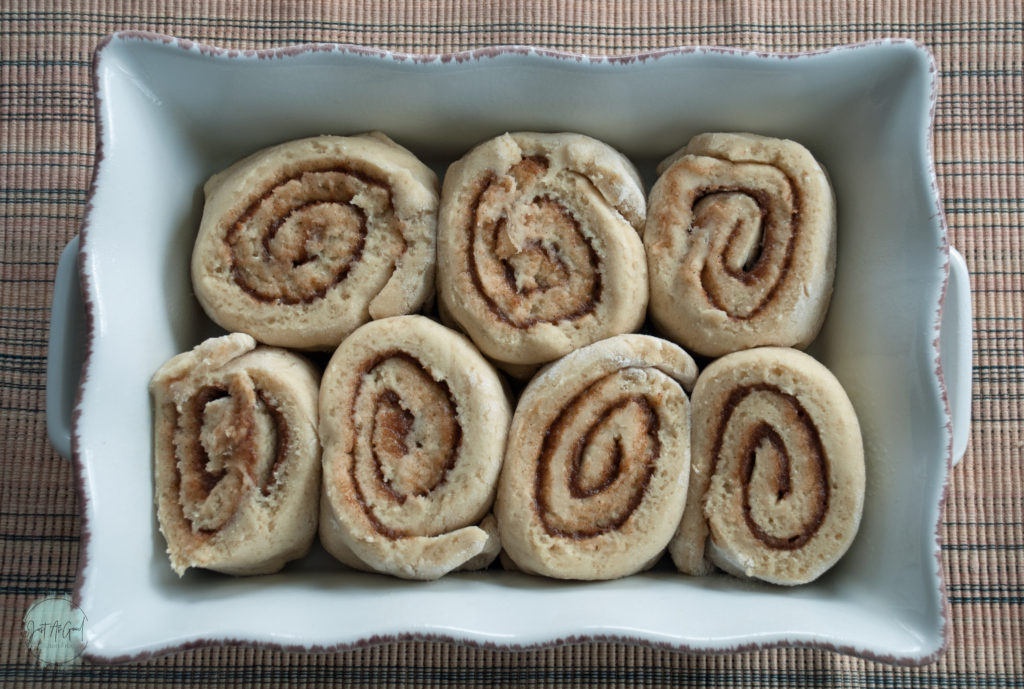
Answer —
303 242
595 475
237 459
797 511
741 244
539 246
413 422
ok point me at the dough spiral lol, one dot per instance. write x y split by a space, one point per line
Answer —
539 246
595 474
237 460
741 243
303 242
777 483
413 423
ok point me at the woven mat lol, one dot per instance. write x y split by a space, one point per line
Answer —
46 160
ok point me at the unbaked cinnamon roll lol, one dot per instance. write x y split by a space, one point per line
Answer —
741 244
595 474
539 246
413 425
237 459
776 488
303 242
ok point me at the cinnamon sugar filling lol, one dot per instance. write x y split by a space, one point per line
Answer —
307 231
408 446
762 442
527 254
606 468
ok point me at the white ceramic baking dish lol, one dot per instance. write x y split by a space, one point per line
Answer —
171 112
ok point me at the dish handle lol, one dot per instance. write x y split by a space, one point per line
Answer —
955 351
66 352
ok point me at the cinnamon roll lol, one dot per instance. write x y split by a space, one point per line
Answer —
303 242
539 246
237 459
595 474
776 488
741 244
413 422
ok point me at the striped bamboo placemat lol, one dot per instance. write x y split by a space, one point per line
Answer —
46 161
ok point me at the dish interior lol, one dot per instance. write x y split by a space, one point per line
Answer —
171 114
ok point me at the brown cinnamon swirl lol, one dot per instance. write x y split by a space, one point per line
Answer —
740 244
413 424
237 460
303 242
595 473
777 483
539 248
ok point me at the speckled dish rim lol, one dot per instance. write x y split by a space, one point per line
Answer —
464 56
